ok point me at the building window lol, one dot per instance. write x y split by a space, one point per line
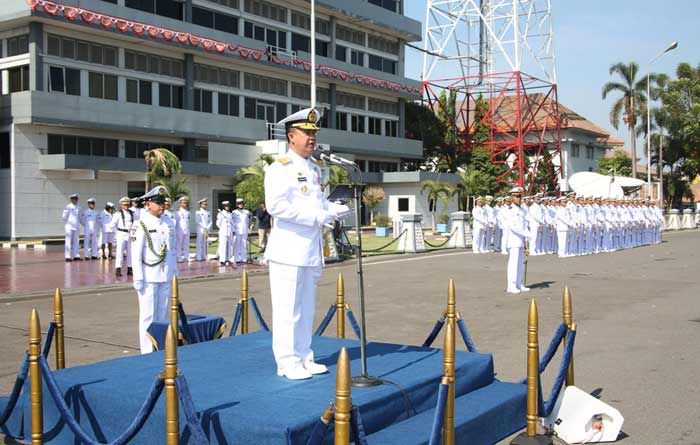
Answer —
301 20
375 125
403 204
350 35
383 106
233 4
391 128
201 152
170 96
303 43
17 45
341 53
382 64
5 156
575 150
382 44
18 78
152 64
214 20
357 123
357 57
391 5
379 166
341 121
590 153
264 110
102 86
351 100
267 10
139 91
228 104
272 37
135 149
166 8
216 76
64 80
264 84
202 100
302 91
63 144
80 50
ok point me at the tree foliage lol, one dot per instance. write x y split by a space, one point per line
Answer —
250 182
546 180
372 197
436 191
620 162
175 186
161 163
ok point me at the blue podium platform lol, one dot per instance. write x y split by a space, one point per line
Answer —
241 400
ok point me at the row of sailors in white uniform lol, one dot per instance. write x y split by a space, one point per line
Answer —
115 225
570 226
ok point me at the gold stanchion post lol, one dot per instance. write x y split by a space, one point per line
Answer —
448 426
343 404
174 300
172 416
340 306
58 335
37 411
568 318
244 302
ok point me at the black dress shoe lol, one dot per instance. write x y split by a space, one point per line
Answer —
95 258
119 271
222 263
68 260
77 258
129 271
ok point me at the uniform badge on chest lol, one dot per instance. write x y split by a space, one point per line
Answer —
304 189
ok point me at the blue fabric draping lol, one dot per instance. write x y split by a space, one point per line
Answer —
8 404
185 323
202 328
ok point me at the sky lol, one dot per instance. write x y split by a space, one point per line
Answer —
591 35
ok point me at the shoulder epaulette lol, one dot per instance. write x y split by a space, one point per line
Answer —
284 160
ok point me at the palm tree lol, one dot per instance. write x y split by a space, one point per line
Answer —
337 176
249 182
160 163
175 185
255 170
371 197
472 182
631 104
435 190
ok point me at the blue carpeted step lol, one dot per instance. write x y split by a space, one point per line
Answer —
483 416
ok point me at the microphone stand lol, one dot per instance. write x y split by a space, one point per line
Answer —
364 380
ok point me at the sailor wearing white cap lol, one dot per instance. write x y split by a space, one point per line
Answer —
154 261
91 221
122 221
225 223
295 199
202 221
242 220
518 233
107 230
479 225
182 229
72 214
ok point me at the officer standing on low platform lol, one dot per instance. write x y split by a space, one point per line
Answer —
294 197
71 227
518 234
182 222
122 221
91 221
242 220
202 220
154 261
107 231
225 223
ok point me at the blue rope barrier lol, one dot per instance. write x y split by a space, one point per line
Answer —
258 315
326 320
551 350
468 341
236 320
184 324
81 435
318 433
353 322
436 431
561 376
434 333
194 424
49 339
16 390
357 427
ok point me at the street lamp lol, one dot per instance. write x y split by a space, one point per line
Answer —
670 47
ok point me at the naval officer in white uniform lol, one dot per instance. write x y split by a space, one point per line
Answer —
294 198
154 263
71 226
518 234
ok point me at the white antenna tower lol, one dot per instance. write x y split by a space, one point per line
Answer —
475 38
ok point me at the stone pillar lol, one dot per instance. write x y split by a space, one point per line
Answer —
331 50
188 100
674 220
401 130
412 241
688 222
188 11
462 230
36 49
332 98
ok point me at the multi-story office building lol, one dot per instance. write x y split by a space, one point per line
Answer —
88 85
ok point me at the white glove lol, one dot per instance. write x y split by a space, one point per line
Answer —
326 217
138 285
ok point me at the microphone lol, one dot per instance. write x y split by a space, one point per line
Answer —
326 156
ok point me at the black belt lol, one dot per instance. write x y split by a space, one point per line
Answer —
123 230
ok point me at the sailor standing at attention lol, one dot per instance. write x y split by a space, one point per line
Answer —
71 228
202 220
122 221
182 222
154 263
225 223
479 223
294 197
243 220
518 234
91 220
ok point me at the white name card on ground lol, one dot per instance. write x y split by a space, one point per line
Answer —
578 417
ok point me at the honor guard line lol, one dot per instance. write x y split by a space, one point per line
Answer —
217 391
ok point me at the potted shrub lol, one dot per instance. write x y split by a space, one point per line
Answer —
382 225
442 227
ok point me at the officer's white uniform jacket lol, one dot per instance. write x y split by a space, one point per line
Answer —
162 234
490 215
479 218
535 216
563 219
202 220
106 222
71 217
242 221
122 220
225 223
294 198
91 220
182 220
516 224
136 211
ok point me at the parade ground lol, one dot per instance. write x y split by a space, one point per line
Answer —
637 313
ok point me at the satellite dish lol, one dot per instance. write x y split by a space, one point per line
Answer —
625 181
595 184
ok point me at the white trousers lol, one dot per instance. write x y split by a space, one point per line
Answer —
71 247
516 266
497 238
504 242
240 248
182 244
561 243
535 239
477 239
225 248
293 290
90 246
153 306
123 248
201 246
